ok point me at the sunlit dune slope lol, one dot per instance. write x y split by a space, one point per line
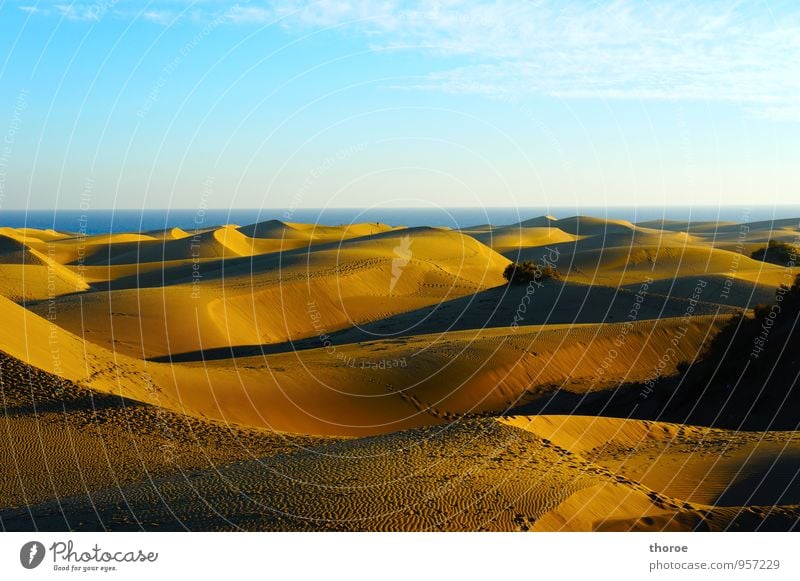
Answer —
168 234
698 464
33 234
276 229
368 334
375 387
43 344
720 478
413 381
509 240
578 225
555 302
676 255
241 286
277 297
27 274
175 244
627 255
591 226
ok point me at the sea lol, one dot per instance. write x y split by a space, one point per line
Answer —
98 221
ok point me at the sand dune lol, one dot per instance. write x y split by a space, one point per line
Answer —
284 376
700 226
177 244
732 235
473 475
27 274
32 234
377 387
701 465
46 346
64 440
759 226
510 240
628 260
14 251
168 234
322 288
615 253
703 468
591 226
634 263
277 229
555 303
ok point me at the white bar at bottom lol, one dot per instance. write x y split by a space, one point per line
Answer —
404 556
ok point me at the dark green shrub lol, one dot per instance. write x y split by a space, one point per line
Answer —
777 253
527 271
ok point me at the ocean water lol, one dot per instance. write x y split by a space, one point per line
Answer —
104 221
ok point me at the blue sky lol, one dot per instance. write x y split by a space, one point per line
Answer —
352 104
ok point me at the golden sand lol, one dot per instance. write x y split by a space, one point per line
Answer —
283 376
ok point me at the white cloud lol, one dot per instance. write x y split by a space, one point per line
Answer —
250 15
737 52
741 51
158 16
90 12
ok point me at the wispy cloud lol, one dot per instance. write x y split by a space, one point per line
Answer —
740 52
250 14
76 11
158 16
745 51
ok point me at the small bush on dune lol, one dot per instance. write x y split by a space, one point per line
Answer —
527 271
777 253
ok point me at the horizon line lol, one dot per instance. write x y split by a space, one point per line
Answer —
284 209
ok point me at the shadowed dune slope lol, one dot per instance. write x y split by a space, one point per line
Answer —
60 440
473 475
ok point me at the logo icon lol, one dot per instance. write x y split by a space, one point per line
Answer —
402 256
31 554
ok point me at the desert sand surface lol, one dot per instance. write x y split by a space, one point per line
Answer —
284 376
